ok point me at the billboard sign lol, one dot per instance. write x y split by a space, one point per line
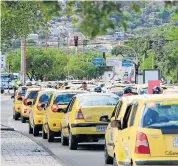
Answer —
97 61
127 62
152 84
151 74
113 61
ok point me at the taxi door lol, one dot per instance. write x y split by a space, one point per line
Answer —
111 130
128 131
67 116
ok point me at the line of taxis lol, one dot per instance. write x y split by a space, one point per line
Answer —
138 129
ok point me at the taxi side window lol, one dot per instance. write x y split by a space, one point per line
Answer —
126 117
115 109
118 110
50 98
133 114
71 104
34 101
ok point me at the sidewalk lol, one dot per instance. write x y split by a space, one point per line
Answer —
19 150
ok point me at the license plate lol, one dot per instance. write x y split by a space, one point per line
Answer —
101 128
175 142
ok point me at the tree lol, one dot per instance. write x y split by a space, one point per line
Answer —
123 51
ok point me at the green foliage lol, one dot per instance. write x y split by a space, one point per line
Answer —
94 17
52 64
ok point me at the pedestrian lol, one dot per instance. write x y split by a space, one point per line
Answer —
15 85
157 90
128 91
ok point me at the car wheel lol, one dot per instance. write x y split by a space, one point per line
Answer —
50 136
16 116
2 91
44 135
107 158
23 120
64 140
114 161
35 130
30 129
72 142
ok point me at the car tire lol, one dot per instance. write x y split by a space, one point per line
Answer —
107 158
2 91
64 140
23 119
114 161
50 136
16 116
30 129
35 130
44 135
72 142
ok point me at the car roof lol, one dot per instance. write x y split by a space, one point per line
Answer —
47 90
33 89
27 87
70 91
96 94
157 97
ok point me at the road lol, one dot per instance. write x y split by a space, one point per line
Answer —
86 155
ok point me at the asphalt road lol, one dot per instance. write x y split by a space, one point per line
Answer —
86 155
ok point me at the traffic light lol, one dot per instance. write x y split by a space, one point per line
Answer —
104 58
76 41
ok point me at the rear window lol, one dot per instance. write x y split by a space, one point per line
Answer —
32 95
63 99
161 114
22 92
43 98
92 100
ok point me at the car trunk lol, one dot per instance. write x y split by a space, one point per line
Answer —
93 113
163 142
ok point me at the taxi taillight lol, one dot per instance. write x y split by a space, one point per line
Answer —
79 114
142 146
54 108
25 101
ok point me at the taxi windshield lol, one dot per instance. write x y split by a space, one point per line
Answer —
98 100
63 99
160 114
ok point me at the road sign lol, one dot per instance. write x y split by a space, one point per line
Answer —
97 61
127 62
113 61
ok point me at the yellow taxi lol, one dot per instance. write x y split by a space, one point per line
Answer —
81 121
18 100
120 107
147 132
37 110
52 118
29 96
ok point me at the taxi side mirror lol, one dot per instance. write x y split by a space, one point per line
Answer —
29 103
62 110
104 118
116 124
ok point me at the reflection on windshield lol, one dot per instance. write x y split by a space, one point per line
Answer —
98 100
63 99
160 114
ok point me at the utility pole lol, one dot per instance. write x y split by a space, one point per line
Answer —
23 61
68 56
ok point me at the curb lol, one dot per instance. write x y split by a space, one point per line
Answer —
6 128
58 159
